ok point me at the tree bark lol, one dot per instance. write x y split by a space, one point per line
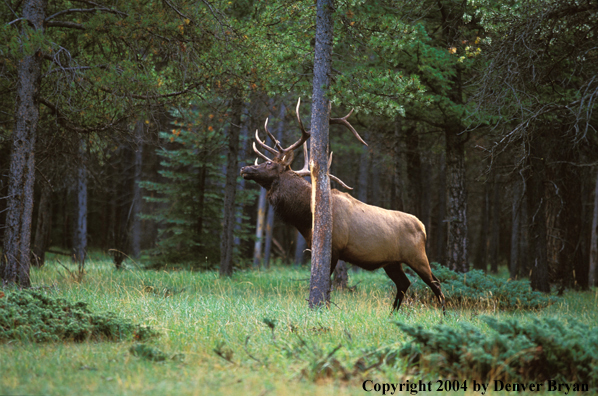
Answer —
592 275
413 198
230 190
80 245
43 227
396 201
515 233
537 217
481 253
495 229
268 239
137 199
457 254
442 224
15 260
319 286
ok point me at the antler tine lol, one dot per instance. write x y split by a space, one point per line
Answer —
336 179
276 142
343 121
260 154
305 170
304 134
264 145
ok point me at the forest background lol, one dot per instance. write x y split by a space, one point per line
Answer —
123 125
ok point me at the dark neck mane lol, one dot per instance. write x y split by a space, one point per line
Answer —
291 195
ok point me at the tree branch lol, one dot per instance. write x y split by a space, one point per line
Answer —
75 10
67 124
65 24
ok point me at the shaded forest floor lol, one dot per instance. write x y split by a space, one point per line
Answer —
251 334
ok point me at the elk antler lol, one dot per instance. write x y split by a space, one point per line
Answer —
305 170
281 153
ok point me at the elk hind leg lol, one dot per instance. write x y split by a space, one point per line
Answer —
396 274
425 272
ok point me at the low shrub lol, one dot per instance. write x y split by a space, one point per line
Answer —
545 349
475 289
33 316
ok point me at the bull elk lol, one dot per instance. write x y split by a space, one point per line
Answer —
364 235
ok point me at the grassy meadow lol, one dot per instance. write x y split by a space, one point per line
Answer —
252 334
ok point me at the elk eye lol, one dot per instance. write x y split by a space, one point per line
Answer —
269 163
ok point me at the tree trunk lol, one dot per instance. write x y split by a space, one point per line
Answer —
319 286
495 228
230 190
442 224
15 260
259 229
364 169
396 201
457 254
515 233
413 198
244 133
481 254
592 275
201 193
80 245
268 239
137 199
537 217
43 227
270 215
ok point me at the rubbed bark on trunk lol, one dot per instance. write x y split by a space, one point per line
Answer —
80 240
43 226
495 229
537 218
259 229
340 280
319 286
230 190
457 252
442 224
515 233
137 199
15 260
592 275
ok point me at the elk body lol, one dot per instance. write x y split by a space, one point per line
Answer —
364 235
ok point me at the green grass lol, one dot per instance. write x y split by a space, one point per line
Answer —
198 313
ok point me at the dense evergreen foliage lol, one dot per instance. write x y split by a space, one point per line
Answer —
545 349
475 289
34 316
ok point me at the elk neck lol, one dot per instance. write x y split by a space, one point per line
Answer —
290 195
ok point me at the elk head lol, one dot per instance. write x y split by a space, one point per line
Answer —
267 172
